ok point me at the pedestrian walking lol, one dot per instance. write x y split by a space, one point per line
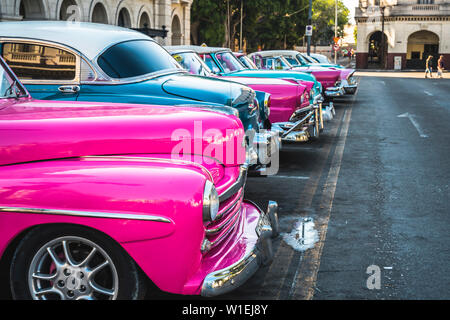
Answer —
440 66
428 68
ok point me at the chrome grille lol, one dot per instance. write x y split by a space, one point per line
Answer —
229 214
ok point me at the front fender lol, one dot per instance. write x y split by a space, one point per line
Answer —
78 191
346 73
128 200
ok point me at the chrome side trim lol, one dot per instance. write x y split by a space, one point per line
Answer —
87 214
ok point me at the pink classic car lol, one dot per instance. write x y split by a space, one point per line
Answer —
287 101
97 199
330 77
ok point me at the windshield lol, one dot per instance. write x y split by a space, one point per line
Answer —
301 59
309 59
192 63
229 62
285 63
292 61
246 61
136 58
9 86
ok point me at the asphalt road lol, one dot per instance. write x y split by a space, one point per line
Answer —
376 187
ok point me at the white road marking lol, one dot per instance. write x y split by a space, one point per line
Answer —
289 177
411 117
428 93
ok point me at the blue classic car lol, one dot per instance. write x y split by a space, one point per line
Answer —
59 60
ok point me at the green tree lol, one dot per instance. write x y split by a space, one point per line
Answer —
323 21
268 24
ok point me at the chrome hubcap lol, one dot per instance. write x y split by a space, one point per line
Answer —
72 268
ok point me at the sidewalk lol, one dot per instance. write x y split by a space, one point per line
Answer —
398 74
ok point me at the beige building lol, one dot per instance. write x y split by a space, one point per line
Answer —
413 30
173 14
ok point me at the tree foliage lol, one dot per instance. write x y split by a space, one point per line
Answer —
323 20
267 24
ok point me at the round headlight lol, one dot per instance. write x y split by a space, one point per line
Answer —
210 202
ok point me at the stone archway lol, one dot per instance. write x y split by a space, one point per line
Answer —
376 53
176 31
144 21
420 45
124 19
32 10
99 14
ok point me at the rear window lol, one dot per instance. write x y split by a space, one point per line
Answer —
135 58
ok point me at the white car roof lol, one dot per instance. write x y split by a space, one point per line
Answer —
88 38
197 49
274 53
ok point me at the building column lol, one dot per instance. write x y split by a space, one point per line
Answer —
187 24
164 8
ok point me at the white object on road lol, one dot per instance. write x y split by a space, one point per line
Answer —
303 236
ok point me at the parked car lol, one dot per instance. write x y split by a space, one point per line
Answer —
290 112
330 78
215 59
326 112
88 208
300 60
59 60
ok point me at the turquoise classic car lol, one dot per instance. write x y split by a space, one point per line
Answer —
58 60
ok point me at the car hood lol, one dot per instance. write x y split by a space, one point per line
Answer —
272 74
43 130
327 65
205 89
321 73
258 81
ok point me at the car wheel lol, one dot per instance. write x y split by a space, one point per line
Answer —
67 262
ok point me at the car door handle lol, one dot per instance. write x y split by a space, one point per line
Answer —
69 89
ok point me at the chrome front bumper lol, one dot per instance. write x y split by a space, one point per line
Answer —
333 92
328 112
233 276
302 130
266 143
350 87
